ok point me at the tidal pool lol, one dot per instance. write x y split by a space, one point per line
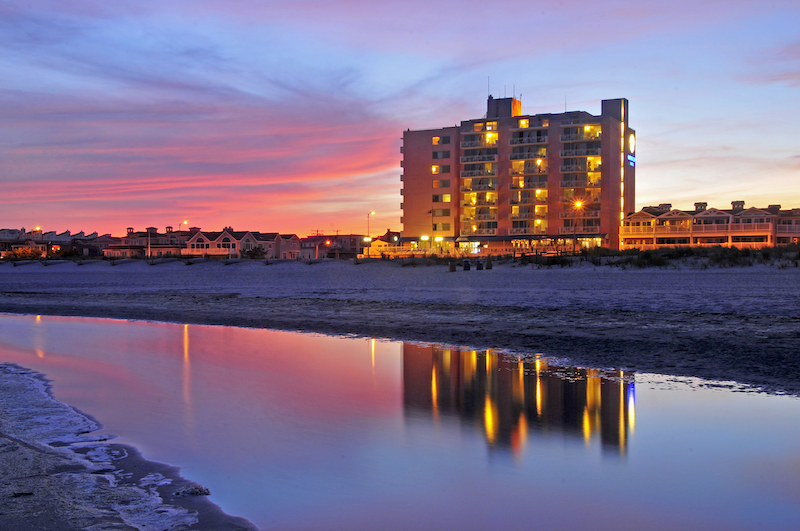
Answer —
302 431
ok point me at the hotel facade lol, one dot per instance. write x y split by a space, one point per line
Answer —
513 182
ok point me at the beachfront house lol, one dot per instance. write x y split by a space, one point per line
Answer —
664 226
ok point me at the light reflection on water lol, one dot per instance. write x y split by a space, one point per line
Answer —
297 431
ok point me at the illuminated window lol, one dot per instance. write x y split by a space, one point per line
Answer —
478 127
434 169
491 126
441 212
444 183
524 123
441 198
436 183
491 139
436 140
441 226
440 140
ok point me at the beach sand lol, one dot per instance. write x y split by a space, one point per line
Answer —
740 325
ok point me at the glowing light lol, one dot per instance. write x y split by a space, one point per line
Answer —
439 238
490 418
632 143
578 204
434 392
327 242
631 408
425 238
587 426
524 123
367 239
538 162
38 228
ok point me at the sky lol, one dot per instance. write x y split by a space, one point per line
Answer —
288 115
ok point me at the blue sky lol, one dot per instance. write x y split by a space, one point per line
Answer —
287 116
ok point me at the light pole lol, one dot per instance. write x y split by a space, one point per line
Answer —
575 210
368 239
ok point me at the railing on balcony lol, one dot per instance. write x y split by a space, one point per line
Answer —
478 217
478 203
528 140
478 232
477 173
581 198
579 231
589 152
475 144
536 170
579 168
703 228
582 183
478 158
577 137
527 155
526 230
569 214
788 229
638 230
479 187
528 185
526 215
528 200
750 227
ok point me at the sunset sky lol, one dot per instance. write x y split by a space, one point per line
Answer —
287 115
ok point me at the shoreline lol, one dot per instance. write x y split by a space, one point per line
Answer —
61 477
730 325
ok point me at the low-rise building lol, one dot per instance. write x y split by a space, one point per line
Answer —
664 226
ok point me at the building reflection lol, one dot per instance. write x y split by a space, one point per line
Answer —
513 398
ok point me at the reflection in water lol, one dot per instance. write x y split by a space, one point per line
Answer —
511 397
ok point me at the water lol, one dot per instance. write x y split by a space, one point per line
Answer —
299 431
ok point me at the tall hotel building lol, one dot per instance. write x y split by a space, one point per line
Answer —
517 181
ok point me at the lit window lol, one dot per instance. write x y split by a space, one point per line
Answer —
436 141
435 183
524 123
435 169
491 126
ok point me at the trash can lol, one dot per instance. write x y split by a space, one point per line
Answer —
466 264
479 265
488 264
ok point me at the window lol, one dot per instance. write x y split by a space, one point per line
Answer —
443 183
440 140
435 169
524 123
441 212
441 198
441 154
491 126
441 226
445 168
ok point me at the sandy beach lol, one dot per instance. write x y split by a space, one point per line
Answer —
734 324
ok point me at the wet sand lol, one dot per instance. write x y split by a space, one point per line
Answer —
57 476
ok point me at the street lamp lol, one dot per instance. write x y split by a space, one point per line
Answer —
368 239
576 209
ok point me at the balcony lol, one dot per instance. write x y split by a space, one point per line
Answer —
593 152
579 168
673 229
750 227
478 217
526 215
478 232
638 230
478 173
487 187
578 231
580 137
581 183
788 229
589 214
526 230
478 158
528 200
581 198
527 155
528 185
535 170
528 140
479 203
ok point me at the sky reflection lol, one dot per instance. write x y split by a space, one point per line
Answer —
297 431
